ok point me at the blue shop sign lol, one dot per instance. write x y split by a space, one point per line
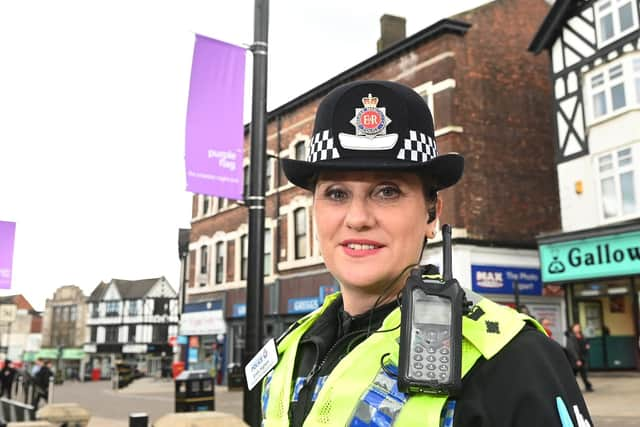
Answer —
181 339
240 310
302 305
489 279
203 306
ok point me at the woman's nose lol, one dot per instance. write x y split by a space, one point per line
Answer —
359 214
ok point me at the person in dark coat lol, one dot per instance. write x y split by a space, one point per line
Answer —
7 374
578 353
41 381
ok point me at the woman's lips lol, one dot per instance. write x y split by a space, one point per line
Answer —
361 248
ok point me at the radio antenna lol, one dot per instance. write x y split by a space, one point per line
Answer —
446 252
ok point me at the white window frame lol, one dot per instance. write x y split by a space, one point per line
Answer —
614 10
629 77
214 269
615 173
286 211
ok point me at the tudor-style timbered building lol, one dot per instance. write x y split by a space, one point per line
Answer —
595 71
132 320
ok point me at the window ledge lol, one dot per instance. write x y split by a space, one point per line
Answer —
613 116
299 263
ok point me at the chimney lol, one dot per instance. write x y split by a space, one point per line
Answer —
392 30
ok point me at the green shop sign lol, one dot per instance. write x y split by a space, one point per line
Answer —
613 255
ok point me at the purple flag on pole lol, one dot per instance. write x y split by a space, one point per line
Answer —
7 234
215 132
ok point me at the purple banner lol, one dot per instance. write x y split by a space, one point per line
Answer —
7 234
215 132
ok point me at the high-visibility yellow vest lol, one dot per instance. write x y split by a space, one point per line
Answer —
359 389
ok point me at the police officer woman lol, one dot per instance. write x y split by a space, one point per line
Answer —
375 173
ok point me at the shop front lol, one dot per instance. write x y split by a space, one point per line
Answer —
600 270
204 330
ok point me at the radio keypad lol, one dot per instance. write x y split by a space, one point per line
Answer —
436 345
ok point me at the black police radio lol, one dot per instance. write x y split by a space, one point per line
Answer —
431 332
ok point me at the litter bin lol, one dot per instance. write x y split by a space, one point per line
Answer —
235 377
195 392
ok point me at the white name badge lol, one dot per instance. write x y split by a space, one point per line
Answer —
261 364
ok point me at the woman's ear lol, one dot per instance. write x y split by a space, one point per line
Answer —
434 225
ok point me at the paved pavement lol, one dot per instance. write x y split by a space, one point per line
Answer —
615 402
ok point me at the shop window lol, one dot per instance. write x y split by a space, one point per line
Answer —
618 184
615 19
300 232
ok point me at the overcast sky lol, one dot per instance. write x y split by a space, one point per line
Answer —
93 98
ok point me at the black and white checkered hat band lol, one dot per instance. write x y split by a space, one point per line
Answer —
418 148
322 148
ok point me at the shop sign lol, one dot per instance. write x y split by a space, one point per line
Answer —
209 322
605 256
90 348
489 279
134 348
182 340
239 310
302 305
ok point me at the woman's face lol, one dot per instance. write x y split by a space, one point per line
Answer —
370 225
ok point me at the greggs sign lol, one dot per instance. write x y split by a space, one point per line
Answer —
613 255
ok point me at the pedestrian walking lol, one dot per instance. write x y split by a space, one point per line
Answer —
578 353
375 175
41 382
546 324
7 374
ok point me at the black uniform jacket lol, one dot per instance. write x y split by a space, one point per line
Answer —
519 386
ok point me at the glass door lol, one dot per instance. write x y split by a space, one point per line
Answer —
590 318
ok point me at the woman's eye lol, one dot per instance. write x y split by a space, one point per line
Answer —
336 194
388 192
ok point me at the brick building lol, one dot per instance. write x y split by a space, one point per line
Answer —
490 100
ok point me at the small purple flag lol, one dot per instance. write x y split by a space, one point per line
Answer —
215 132
7 234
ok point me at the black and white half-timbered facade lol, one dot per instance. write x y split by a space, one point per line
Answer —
132 320
594 48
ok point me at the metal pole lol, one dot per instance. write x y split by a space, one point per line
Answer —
256 203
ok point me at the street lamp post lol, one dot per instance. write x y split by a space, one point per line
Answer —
256 204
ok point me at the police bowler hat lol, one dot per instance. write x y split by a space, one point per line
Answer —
374 125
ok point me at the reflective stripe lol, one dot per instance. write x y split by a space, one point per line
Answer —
265 392
449 413
297 387
318 387
381 403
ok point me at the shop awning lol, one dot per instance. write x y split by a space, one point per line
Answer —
47 353
73 354
67 353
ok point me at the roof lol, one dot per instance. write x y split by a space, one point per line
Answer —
98 292
134 289
444 26
552 24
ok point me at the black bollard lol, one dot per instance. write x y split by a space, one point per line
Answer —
138 419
